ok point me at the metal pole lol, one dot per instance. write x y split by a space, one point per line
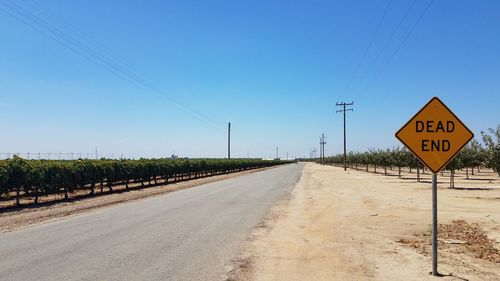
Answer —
321 150
434 226
345 157
229 140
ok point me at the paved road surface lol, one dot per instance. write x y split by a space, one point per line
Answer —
189 234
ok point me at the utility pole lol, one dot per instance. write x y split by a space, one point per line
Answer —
229 140
343 110
277 153
322 143
320 150
96 153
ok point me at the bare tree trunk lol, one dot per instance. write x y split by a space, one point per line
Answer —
467 172
452 178
18 203
418 174
36 194
399 172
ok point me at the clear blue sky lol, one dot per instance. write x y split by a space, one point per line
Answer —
275 69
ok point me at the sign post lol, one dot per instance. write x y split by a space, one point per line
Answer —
434 226
435 135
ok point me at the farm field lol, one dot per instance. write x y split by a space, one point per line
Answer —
356 225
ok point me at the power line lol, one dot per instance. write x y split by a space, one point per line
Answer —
386 44
372 39
79 33
99 55
94 56
396 51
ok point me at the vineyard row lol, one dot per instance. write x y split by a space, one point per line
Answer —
36 178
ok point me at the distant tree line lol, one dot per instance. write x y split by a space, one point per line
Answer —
36 178
473 156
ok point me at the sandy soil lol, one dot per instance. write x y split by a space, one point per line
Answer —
32 214
356 225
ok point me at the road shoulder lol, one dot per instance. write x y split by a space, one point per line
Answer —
349 226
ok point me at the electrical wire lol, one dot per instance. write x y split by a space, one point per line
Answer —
372 39
81 35
396 51
94 56
387 42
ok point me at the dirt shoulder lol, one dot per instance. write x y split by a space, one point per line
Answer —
357 226
14 219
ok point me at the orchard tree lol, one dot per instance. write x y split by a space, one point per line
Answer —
479 154
18 170
4 178
385 159
454 164
466 156
399 158
492 142
415 163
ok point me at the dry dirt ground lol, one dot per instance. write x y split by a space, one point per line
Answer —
356 225
32 214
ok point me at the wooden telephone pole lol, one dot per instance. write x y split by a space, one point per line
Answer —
344 109
322 143
229 140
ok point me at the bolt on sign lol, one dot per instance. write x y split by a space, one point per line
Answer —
435 135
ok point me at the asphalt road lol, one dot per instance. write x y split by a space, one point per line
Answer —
191 234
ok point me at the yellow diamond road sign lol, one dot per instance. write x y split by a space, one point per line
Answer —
435 135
